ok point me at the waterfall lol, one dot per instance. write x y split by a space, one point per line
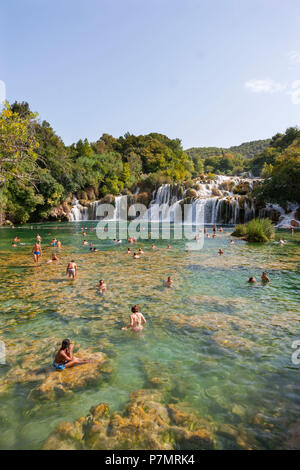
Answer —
120 212
216 198
78 212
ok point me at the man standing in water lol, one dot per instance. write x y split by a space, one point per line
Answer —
37 251
72 269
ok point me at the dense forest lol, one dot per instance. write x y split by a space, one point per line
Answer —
38 171
232 160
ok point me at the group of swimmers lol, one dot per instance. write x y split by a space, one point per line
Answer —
264 279
64 358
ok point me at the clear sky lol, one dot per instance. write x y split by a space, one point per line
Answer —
211 72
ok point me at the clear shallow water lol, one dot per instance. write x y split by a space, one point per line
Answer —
222 346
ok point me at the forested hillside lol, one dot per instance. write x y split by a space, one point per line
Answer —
38 172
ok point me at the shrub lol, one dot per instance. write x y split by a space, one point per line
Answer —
239 231
257 230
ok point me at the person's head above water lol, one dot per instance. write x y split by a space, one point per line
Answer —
65 344
169 278
134 309
251 279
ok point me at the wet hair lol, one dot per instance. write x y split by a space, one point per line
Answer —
100 281
72 261
251 279
169 278
65 344
134 309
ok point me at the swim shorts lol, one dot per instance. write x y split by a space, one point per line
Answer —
58 366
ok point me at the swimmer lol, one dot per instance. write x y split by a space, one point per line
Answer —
38 238
54 257
64 357
58 244
137 320
85 242
221 229
204 230
214 235
252 280
72 269
214 228
221 252
94 249
14 245
130 240
128 251
84 234
282 242
231 242
207 235
37 251
153 247
264 277
53 242
169 282
135 256
141 251
102 286
169 247
16 239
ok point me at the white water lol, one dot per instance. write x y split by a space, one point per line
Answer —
78 212
287 217
216 199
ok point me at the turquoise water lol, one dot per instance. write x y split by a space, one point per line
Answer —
221 346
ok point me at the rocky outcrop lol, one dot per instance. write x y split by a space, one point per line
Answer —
61 383
48 384
61 212
145 423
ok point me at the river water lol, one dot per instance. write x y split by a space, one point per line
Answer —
222 346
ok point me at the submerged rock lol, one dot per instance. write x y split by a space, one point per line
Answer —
145 423
293 437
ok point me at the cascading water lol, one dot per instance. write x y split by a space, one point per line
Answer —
78 212
216 198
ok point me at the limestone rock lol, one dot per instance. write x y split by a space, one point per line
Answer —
145 423
58 383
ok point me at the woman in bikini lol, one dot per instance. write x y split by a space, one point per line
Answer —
64 357
137 320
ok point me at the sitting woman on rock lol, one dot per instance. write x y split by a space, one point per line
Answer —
64 357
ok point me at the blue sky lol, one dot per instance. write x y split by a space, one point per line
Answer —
211 72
